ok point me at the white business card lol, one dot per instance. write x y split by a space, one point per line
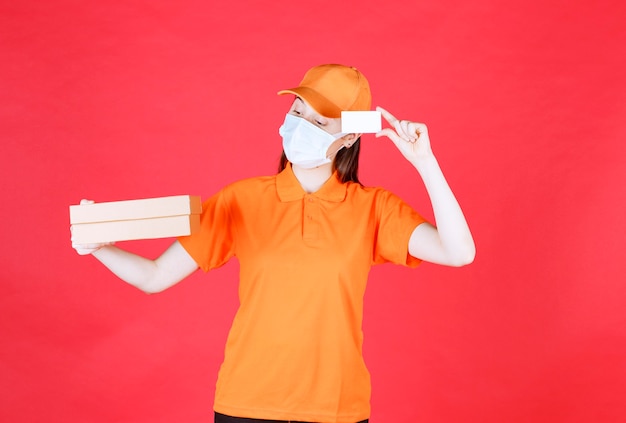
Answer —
360 122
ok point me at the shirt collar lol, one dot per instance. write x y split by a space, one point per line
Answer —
289 188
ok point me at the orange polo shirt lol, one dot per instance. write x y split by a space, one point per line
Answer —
294 351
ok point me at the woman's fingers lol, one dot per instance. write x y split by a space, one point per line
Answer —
408 133
394 134
387 132
86 249
388 116
405 129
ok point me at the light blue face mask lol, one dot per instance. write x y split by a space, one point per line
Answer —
305 144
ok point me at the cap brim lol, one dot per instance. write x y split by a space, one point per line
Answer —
321 105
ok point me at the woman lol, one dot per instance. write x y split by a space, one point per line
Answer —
306 239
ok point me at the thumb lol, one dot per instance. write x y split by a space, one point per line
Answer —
387 132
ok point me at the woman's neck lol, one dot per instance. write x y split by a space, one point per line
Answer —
312 180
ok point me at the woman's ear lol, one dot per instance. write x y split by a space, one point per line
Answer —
350 139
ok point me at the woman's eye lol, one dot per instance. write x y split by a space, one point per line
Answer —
319 123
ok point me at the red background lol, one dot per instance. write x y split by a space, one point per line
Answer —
117 100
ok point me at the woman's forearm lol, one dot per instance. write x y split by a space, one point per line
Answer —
454 233
131 268
148 275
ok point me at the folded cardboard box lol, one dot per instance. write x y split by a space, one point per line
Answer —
148 218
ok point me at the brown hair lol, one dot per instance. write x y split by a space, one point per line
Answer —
346 163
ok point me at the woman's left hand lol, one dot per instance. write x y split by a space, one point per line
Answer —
411 138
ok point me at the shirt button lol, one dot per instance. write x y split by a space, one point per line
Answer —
311 199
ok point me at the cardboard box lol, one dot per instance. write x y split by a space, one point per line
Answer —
150 218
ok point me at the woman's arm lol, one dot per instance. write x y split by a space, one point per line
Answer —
450 242
151 276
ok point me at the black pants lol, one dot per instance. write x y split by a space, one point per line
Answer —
222 418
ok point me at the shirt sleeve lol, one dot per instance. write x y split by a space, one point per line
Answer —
396 221
214 244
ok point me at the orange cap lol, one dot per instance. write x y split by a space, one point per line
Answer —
329 89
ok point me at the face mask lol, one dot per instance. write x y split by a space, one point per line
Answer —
305 144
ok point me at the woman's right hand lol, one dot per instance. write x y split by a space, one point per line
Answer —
86 249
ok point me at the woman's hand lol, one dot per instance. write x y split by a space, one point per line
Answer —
86 249
411 138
